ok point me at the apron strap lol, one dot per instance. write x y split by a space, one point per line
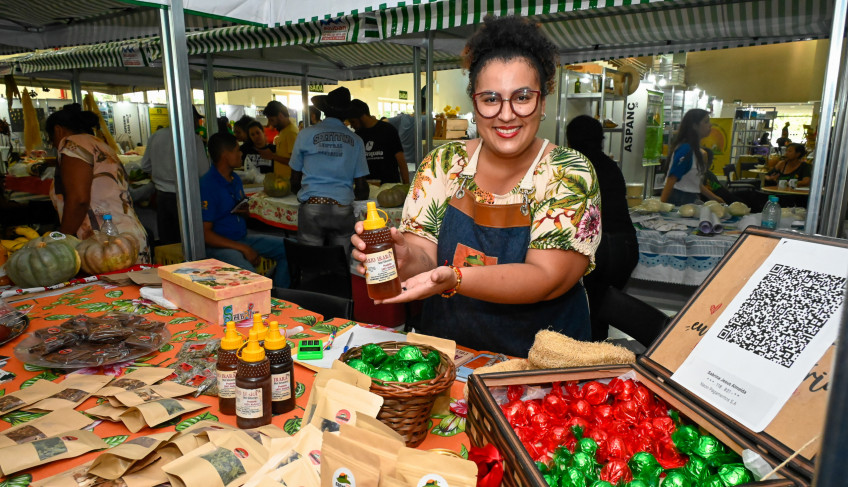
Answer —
468 171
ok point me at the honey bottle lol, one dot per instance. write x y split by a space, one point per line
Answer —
259 327
381 274
226 368
253 386
282 370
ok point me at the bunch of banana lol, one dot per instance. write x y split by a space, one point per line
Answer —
26 234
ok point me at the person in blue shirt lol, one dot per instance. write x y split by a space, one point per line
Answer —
685 180
224 224
328 171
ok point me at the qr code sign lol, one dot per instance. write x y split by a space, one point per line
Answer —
784 313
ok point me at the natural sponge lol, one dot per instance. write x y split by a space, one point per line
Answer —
552 350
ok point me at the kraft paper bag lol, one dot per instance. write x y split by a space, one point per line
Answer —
138 378
49 425
145 394
342 403
416 467
386 449
150 476
69 444
190 439
374 425
24 397
107 412
299 473
75 477
76 388
226 464
339 371
119 460
344 461
157 412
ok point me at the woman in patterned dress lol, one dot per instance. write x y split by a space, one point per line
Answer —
497 232
90 181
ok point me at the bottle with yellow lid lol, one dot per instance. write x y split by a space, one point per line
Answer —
253 385
259 327
226 367
381 274
282 370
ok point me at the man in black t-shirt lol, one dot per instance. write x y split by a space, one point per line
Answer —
383 148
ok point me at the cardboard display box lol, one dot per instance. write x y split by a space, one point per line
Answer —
450 128
796 427
216 291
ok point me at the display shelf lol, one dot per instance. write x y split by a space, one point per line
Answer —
597 95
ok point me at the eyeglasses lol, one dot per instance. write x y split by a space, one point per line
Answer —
523 102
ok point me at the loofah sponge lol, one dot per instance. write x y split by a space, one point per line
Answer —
552 350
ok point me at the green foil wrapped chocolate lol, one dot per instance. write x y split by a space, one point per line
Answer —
584 462
383 376
601 483
587 445
434 359
734 474
685 438
361 366
410 353
636 483
373 354
562 458
696 467
719 459
423 371
645 466
574 477
707 448
403 374
713 481
677 478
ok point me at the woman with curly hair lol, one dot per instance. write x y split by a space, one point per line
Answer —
498 231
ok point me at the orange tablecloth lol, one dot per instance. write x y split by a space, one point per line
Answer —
447 430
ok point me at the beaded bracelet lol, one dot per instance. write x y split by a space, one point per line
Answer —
451 292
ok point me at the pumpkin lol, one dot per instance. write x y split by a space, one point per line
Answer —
276 186
102 253
393 197
43 264
51 237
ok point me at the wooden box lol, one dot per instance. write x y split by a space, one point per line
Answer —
450 128
797 426
216 291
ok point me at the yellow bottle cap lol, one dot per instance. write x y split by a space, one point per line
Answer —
259 326
253 352
275 340
372 220
232 339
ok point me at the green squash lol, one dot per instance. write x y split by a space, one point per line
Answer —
54 237
393 197
43 264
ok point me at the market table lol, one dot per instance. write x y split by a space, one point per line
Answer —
446 432
786 191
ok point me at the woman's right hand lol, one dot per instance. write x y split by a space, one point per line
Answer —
402 250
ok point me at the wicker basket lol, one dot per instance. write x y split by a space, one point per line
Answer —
406 405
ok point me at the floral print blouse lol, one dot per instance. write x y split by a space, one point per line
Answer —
564 205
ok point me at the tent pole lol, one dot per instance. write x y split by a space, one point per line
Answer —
836 197
178 85
428 127
823 134
416 86
209 108
304 96
76 87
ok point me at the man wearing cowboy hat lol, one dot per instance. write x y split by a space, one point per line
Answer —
328 172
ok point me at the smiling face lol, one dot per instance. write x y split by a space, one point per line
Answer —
508 135
257 136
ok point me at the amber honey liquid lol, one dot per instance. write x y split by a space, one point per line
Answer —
282 380
226 372
253 394
381 274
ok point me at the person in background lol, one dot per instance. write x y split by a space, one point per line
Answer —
159 161
791 166
90 180
405 125
252 154
240 129
497 232
278 117
684 182
224 212
383 148
223 124
328 172
314 115
618 252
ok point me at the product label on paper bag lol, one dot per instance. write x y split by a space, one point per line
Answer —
343 477
380 267
432 479
249 403
226 384
281 386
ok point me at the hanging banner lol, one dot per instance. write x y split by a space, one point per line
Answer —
334 31
127 124
635 115
131 56
158 118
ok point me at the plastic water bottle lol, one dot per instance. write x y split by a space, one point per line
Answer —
109 227
771 213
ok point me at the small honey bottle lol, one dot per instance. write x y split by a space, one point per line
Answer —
253 386
282 370
226 369
381 274
259 327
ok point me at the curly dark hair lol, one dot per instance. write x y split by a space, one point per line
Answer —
508 38
73 118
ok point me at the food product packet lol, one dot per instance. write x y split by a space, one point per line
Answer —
262 435
145 394
76 388
229 463
138 378
392 482
30 395
309 446
416 467
386 449
106 411
46 426
344 461
190 439
284 454
298 473
75 477
341 403
157 412
117 461
65 445
340 371
149 476
374 425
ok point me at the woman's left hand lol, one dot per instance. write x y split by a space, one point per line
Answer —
423 286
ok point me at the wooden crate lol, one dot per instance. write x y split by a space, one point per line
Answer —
799 422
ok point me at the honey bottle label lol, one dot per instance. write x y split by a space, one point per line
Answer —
380 267
249 403
226 384
281 386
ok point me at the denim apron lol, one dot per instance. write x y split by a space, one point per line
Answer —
481 234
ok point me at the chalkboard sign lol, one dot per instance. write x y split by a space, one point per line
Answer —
17 118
